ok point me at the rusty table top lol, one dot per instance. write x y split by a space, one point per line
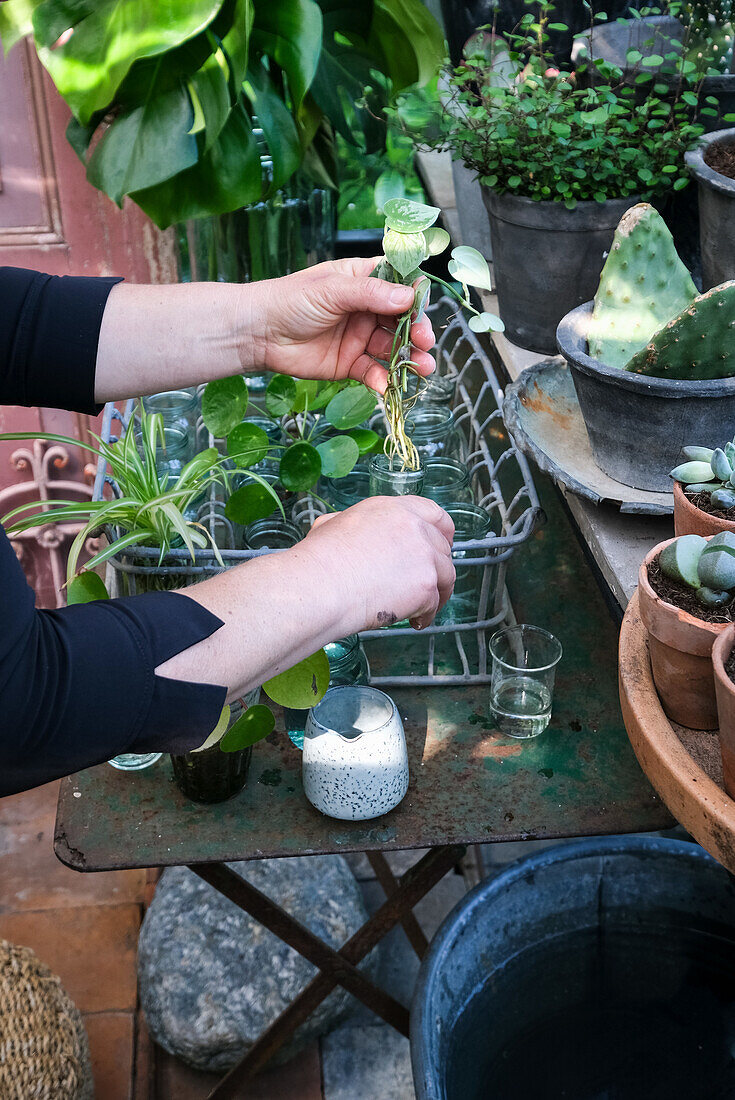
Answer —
468 784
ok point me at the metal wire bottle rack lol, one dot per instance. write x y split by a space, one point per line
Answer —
447 652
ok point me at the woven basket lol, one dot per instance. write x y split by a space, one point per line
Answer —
44 1052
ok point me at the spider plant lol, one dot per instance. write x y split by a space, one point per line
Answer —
148 507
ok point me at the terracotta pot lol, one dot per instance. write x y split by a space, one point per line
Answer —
690 520
681 655
725 690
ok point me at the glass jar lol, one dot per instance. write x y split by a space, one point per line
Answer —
272 429
273 533
347 665
211 514
470 522
447 481
213 775
171 456
355 763
179 408
343 492
388 480
433 433
437 389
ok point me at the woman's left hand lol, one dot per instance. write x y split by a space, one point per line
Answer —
332 321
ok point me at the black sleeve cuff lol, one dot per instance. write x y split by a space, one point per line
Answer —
49 333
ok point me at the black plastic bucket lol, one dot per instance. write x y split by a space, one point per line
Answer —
598 970
716 212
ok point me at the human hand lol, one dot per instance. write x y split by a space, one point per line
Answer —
333 321
392 554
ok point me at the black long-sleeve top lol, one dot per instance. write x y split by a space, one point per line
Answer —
77 685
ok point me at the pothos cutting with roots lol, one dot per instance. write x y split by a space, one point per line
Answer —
410 237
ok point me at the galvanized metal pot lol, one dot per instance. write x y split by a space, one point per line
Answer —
547 260
716 212
637 425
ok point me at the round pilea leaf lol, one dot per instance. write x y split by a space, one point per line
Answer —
404 251
306 394
698 454
679 560
86 587
300 467
338 455
252 726
368 441
280 395
302 686
218 731
350 407
469 266
250 502
407 216
486 322
224 402
247 444
690 472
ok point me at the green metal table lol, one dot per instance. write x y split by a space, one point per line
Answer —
469 785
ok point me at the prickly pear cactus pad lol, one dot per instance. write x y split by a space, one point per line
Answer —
698 344
642 286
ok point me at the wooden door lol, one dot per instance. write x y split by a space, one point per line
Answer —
52 219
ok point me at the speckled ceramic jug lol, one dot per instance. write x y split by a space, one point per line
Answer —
355 765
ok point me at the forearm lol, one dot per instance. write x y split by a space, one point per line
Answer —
276 609
156 338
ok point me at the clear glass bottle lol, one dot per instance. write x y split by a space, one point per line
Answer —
447 481
343 492
273 533
389 480
470 522
433 433
347 665
213 775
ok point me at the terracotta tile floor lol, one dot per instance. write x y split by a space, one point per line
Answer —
85 927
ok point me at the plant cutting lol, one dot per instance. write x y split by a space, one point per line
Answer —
686 588
560 155
651 359
704 491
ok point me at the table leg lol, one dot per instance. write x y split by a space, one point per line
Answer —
413 886
389 882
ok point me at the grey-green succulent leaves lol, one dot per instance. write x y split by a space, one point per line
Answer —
705 565
709 471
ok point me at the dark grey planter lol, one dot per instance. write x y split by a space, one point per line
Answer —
547 260
601 967
637 425
716 212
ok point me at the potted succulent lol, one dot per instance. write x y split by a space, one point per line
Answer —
713 166
686 588
560 163
653 361
704 491
723 664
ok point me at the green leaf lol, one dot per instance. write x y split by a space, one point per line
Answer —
390 184
225 178
679 560
306 394
209 89
469 266
16 22
407 216
247 444
250 502
410 40
300 467
302 686
109 36
324 394
486 322
255 724
277 124
404 251
437 240
236 40
290 32
219 730
338 456
280 395
86 587
224 402
351 407
368 442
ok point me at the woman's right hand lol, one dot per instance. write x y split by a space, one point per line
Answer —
391 555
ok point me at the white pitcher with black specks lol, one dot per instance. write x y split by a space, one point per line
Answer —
355 764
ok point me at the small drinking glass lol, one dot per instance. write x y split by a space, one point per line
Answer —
524 660
388 480
134 761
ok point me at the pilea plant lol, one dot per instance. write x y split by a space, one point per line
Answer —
705 566
709 471
409 238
